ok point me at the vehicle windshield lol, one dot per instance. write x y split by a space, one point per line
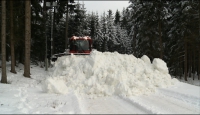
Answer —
79 45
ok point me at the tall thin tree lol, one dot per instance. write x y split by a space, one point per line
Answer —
3 41
66 30
45 36
199 42
27 38
117 17
160 37
185 61
12 46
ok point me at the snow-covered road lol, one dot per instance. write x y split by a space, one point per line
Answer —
164 101
16 99
114 105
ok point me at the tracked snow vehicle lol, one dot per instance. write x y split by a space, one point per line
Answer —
77 46
80 45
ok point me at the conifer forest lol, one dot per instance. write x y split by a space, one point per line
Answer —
166 29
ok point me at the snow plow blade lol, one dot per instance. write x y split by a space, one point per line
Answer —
55 56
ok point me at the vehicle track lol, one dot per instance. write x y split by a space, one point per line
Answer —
161 102
192 100
113 105
169 103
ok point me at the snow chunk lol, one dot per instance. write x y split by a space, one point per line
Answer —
53 85
146 59
105 74
160 65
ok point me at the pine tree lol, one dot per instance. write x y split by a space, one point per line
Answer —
104 33
92 26
113 41
183 34
199 41
38 31
19 30
80 21
12 46
124 40
3 41
117 17
96 44
127 33
27 38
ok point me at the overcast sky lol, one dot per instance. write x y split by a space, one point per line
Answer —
101 6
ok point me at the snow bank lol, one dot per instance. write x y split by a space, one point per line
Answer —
104 74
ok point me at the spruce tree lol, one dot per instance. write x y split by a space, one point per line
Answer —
3 42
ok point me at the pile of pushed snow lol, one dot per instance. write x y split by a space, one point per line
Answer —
102 74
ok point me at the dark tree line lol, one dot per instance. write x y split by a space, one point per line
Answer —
8 46
168 30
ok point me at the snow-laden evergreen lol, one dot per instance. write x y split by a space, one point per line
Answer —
168 30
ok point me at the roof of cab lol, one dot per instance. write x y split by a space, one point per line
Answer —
84 37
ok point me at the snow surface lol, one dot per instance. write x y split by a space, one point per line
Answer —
102 83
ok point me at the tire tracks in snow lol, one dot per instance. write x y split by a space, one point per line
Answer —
192 100
161 103
138 105
76 104
114 105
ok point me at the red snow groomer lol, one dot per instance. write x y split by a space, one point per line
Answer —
80 45
77 46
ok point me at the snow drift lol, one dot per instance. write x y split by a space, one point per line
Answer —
104 74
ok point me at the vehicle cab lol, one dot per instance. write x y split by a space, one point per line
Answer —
80 45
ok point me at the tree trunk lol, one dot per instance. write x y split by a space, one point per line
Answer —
180 68
193 63
189 65
185 62
199 67
45 36
54 25
3 41
12 47
66 31
160 40
21 55
134 41
199 42
27 38
7 53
